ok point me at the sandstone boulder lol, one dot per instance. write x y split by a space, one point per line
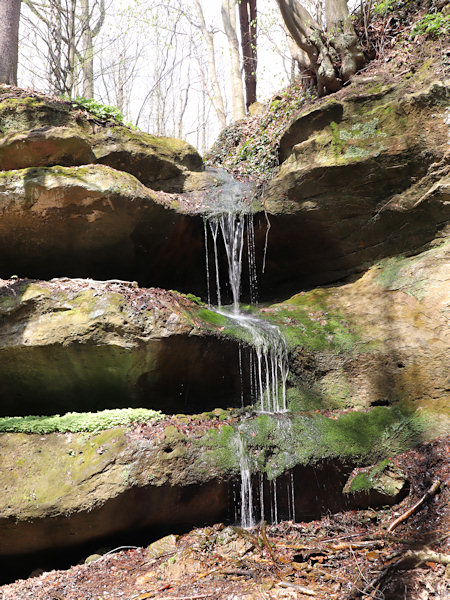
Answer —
95 221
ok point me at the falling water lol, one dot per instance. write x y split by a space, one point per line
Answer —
232 217
247 518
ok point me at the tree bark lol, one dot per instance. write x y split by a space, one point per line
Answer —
9 40
88 34
309 37
229 23
322 49
340 29
247 20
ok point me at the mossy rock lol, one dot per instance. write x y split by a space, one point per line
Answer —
39 130
383 483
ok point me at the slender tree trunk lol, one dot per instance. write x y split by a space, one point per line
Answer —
71 51
217 98
9 40
247 20
229 23
87 51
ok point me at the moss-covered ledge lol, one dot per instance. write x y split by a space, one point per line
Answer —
379 340
276 443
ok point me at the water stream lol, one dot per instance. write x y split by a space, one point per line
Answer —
230 224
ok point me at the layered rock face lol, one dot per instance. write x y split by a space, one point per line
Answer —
363 176
70 345
362 188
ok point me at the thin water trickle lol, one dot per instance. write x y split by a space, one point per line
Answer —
247 518
214 226
205 228
268 361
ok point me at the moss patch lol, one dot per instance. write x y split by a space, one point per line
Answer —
309 320
276 443
77 422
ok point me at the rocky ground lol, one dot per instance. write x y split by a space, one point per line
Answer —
345 556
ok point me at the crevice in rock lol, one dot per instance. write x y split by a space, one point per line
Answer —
141 515
180 374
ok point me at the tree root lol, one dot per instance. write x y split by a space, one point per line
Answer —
433 489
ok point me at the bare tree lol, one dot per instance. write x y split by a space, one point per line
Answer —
9 40
66 30
323 51
216 98
90 30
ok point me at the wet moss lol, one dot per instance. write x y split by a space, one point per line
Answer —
363 482
276 443
309 320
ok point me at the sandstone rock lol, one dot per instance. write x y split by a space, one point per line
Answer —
162 546
38 131
380 340
383 483
92 558
97 222
66 489
91 345
363 177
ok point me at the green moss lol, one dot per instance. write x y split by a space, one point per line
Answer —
309 320
337 143
400 272
277 443
220 448
212 317
363 482
75 422
172 435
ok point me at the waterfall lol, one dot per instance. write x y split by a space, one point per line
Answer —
232 218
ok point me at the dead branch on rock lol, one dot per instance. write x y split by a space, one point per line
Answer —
433 489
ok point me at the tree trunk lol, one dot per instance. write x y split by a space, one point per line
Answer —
9 40
322 50
217 99
89 32
229 23
247 20
340 29
308 36
87 51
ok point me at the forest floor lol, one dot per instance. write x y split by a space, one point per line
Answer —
344 556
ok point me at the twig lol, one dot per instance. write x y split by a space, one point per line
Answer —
299 588
410 559
266 541
433 489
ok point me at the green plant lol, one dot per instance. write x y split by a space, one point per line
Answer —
100 110
385 7
433 25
